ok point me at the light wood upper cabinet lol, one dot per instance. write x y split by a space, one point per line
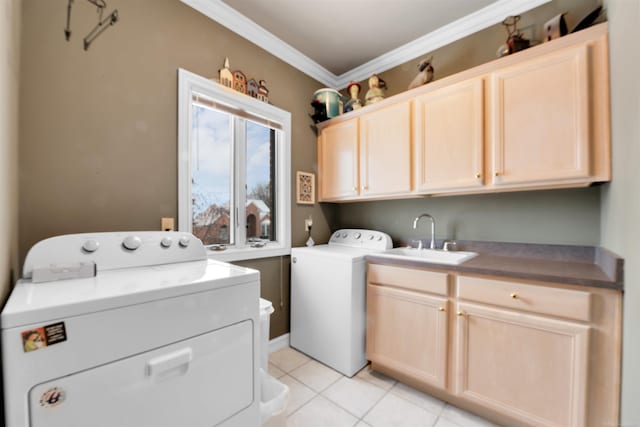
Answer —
385 151
449 138
529 367
338 158
540 119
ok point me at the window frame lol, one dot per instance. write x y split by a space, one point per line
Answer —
190 83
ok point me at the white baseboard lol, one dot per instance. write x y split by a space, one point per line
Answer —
278 343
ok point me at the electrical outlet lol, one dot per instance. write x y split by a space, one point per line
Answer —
307 224
167 224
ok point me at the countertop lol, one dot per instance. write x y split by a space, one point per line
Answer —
575 265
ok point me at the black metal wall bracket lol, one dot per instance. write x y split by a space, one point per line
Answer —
101 26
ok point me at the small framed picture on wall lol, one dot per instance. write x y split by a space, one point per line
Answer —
305 188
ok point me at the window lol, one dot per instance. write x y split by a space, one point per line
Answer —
234 170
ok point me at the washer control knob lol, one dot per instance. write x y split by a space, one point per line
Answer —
370 236
344 235
166 242
357 235
184 241
379 238
91 246
131 243
336 234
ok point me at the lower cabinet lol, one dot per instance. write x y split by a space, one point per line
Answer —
520 353
530 367
401 325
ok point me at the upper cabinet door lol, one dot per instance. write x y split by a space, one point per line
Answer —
385 150
338 161
540 120
449 138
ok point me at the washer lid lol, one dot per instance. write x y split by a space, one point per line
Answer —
32 303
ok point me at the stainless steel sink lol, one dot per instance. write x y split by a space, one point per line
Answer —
435 256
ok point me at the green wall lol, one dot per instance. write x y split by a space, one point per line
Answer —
555 216
9 83
620 199
98 128
481 47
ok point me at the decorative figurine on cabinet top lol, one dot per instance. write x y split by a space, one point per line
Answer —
354 102
263 92
252 88
515 41
425 74
376 90
226 77
239 81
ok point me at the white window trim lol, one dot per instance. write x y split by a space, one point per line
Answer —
188 83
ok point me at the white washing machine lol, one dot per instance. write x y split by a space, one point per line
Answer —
159 336
328 287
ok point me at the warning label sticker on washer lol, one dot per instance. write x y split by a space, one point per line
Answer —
52 397
37 338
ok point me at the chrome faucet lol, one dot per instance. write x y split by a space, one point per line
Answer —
432 245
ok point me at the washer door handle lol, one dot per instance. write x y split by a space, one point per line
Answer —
168 362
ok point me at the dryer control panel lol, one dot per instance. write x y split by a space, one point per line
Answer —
114 250
365 239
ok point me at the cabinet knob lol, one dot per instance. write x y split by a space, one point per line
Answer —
460 313
513 295
441 309
365 188
496 173
355 189
478 175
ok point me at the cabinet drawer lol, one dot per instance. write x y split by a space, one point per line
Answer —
520 296
408 278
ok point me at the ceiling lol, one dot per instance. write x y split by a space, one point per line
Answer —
336 41
342 34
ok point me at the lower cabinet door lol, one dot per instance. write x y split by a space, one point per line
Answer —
529 367
407 332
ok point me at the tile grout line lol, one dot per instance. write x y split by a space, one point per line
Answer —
375 404
305 403
345 409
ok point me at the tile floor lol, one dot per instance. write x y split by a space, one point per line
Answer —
322 397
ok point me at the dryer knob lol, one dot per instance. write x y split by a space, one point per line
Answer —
91 246
344 235
184 241
379 238
357 235
166 242
370 236
131 243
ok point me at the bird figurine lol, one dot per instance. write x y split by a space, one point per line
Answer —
425 74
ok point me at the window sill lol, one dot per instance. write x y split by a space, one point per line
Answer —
233 254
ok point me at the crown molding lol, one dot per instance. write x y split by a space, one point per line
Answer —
246 28
465 26
472 23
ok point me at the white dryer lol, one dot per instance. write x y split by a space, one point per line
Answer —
328 287
159 336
